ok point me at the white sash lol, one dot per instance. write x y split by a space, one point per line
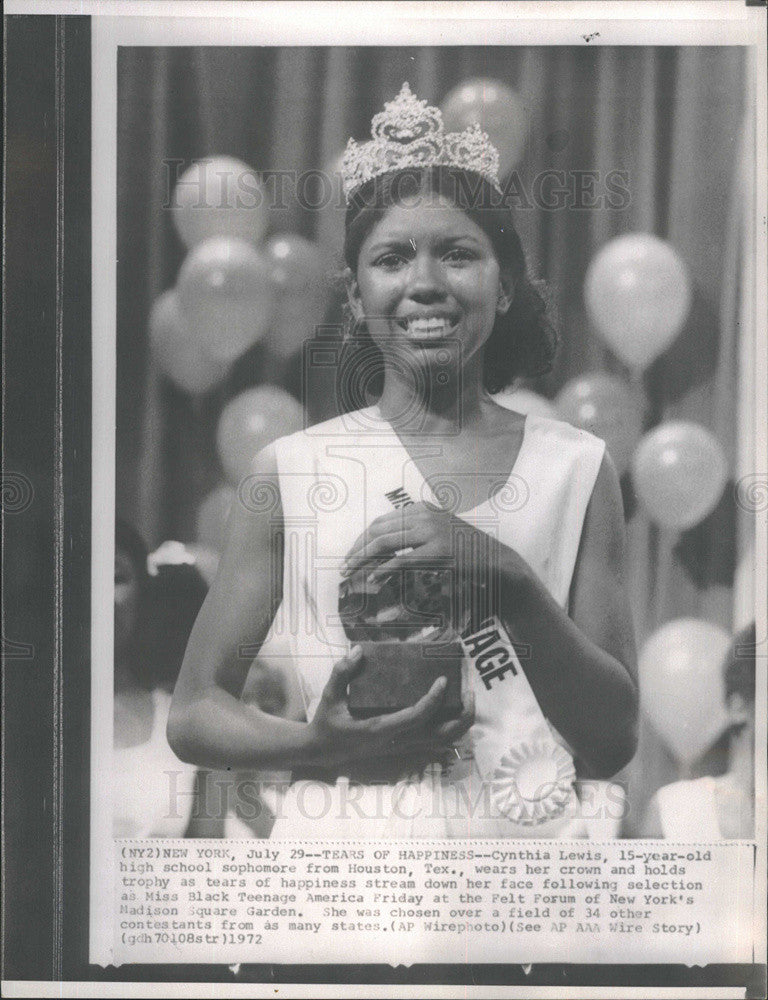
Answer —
529 774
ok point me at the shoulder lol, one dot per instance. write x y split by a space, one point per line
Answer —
317 434
577 457
564 434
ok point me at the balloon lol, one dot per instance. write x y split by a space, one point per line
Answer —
500 112
300 287
249 422
212 517
525 401
219 197
178 355
607 407
679 472
681 684
225 295
638 295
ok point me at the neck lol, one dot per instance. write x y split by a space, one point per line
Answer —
424 406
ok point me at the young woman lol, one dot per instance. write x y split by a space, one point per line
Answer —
436 281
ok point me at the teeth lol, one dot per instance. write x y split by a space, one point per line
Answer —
431 327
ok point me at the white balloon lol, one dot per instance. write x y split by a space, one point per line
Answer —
681 684
221 196
177 352
226 296
638 295
498 109
247 424
607 407
679 472
300 287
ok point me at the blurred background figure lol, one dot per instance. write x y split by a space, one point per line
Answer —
721 807
157 598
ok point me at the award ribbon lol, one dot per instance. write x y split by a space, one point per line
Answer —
531 774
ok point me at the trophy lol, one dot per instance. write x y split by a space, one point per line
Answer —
401 622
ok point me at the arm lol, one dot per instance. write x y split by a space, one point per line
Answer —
582 668
210 726
208 723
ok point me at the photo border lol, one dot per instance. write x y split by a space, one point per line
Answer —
66 746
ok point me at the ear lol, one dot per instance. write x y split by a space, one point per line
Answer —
506 293
353 294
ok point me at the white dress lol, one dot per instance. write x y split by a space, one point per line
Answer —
335 479
152 790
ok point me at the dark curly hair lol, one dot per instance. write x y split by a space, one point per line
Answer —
523 342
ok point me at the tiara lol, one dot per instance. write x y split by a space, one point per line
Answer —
409 133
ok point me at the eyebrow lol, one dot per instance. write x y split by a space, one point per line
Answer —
397 241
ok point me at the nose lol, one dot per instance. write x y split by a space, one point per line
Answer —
425 283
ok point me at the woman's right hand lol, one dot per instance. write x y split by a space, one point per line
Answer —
339 737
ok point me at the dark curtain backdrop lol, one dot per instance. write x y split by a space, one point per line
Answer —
672 118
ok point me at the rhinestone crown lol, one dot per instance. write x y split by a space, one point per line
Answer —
409 133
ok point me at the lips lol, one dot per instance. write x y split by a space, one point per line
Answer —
426 328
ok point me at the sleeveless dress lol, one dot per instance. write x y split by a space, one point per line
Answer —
335 479
151 788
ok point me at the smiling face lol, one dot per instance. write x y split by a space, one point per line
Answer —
427 274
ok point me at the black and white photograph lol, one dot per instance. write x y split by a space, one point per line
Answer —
421 527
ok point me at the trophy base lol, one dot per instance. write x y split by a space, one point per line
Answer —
395 675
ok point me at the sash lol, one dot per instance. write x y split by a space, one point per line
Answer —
529 774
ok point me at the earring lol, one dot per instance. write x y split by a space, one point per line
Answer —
351 326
